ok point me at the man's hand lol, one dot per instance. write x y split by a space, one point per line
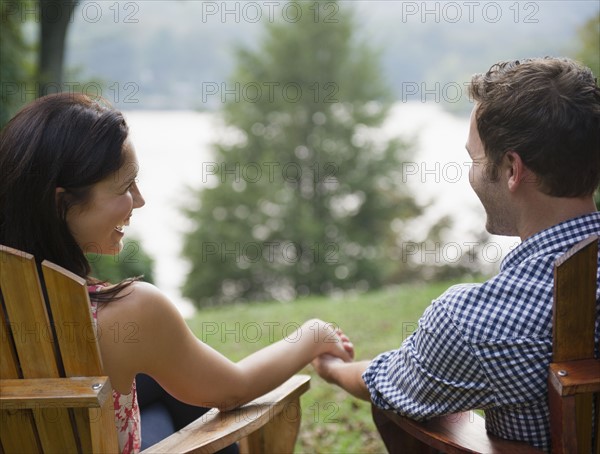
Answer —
325 365
326 361
345 375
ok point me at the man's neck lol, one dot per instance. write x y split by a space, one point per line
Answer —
547 211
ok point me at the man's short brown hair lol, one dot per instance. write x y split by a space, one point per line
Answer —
548 111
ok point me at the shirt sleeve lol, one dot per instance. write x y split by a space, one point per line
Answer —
433 373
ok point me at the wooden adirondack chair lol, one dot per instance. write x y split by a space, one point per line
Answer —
55 398
573 379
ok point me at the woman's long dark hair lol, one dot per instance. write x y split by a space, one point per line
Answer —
62 140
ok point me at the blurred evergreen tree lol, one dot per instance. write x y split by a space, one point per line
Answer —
304 193
133 261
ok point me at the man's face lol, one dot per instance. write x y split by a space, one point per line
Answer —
493 195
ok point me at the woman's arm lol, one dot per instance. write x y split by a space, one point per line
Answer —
160 344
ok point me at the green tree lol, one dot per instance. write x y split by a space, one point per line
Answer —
304 193
133 261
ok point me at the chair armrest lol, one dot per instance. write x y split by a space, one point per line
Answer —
455 433
215 430
575 377
39 393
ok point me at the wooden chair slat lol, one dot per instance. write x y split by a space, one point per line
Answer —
8 357
27 316
71 311
18 433
17 428
216 430
77 340
98 432
33 340
574 311
575 287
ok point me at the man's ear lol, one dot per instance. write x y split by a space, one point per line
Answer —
517 171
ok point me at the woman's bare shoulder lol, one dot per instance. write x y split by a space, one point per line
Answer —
139 302
137 330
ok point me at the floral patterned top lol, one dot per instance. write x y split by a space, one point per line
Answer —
127 412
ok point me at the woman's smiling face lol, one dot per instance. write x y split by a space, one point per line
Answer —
98 224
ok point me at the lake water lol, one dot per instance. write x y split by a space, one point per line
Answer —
172 147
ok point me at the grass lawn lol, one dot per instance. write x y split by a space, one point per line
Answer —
332 421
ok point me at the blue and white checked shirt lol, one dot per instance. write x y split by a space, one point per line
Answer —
486 346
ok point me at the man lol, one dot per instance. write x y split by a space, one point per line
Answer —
534 141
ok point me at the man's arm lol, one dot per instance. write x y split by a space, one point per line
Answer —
348 376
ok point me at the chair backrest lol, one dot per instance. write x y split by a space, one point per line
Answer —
47 336
573 378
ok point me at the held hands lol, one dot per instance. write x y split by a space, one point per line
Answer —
335 365
325 365
335 348
331 340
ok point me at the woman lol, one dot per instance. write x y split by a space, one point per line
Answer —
69 187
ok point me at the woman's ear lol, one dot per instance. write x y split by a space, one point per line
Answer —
58 194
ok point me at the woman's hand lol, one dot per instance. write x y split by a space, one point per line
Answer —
332 341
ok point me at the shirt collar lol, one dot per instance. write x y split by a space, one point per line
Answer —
557 238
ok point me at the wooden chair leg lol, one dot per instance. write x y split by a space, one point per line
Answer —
584 407
596 430
279 435
394 438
